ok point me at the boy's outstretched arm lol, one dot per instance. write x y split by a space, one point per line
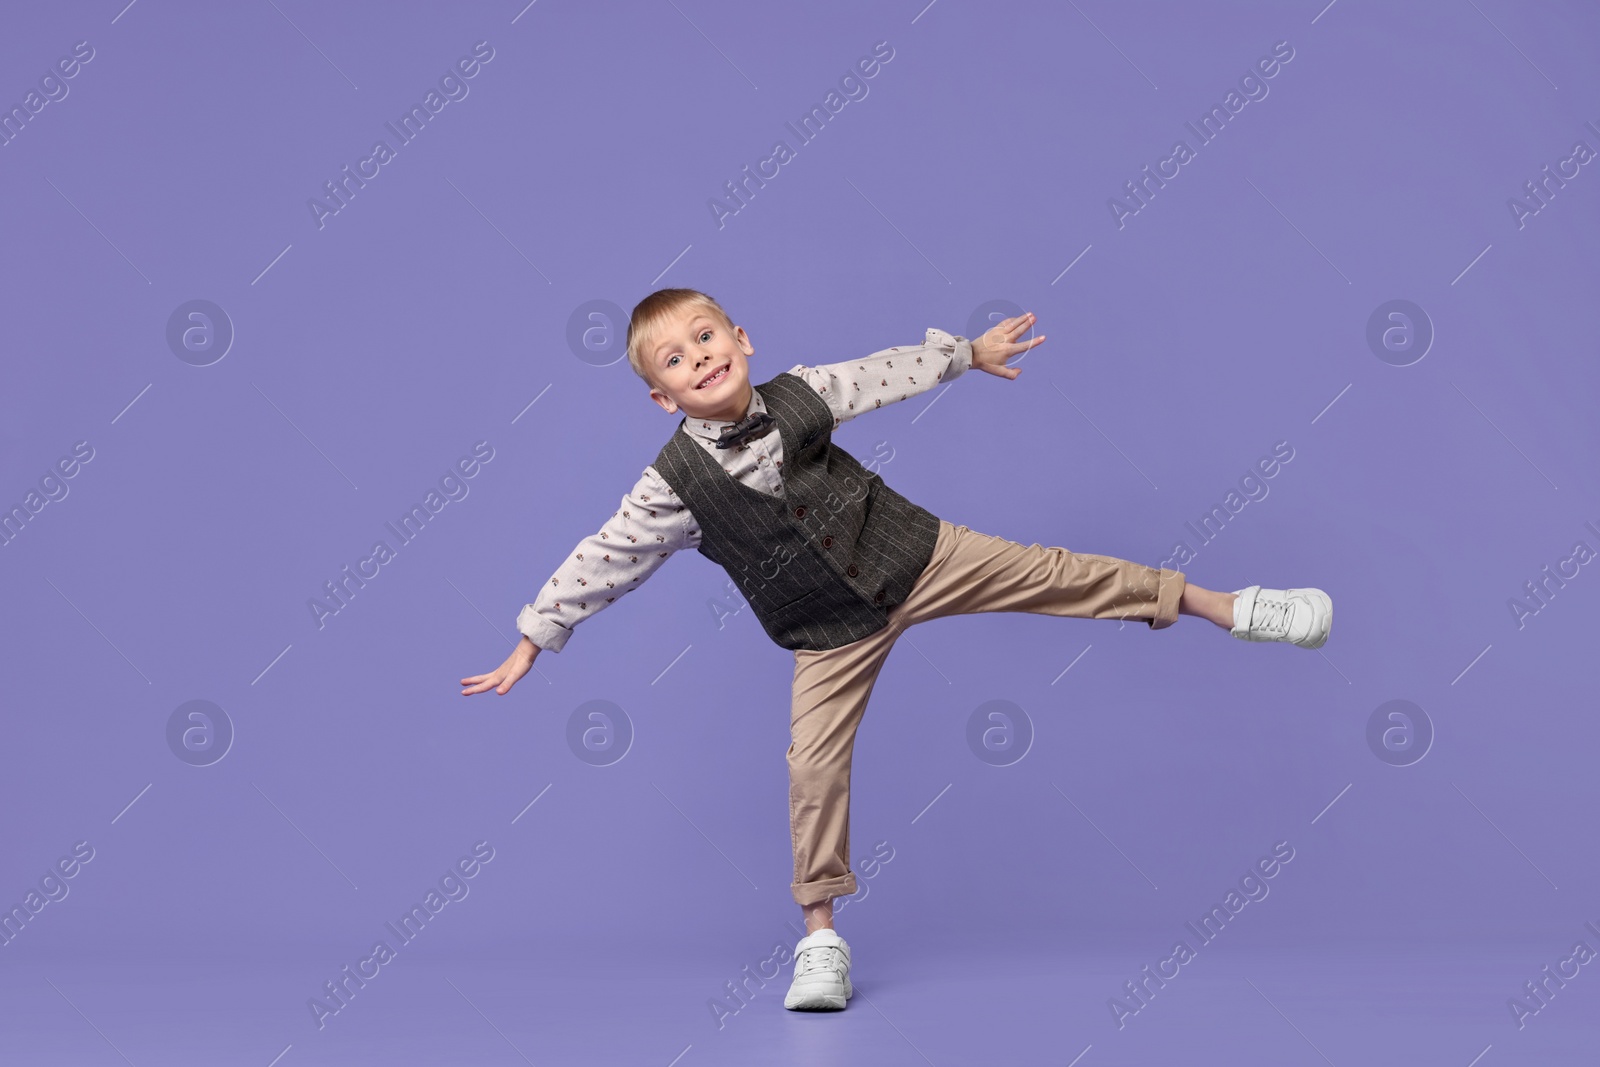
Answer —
888 376
649 526
854 386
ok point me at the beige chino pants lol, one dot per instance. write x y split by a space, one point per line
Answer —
968 572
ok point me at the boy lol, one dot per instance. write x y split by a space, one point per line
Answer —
834 563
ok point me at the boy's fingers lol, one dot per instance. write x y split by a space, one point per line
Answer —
1002 370
479 683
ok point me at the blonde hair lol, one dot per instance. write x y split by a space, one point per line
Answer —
649 314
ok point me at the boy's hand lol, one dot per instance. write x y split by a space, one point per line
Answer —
502 678
990 352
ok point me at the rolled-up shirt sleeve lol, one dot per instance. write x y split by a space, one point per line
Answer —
888 376
651 524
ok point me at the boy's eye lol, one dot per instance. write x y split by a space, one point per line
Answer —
703 335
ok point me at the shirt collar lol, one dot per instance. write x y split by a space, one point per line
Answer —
711 429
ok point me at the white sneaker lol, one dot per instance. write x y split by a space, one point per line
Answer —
1299 616
821 973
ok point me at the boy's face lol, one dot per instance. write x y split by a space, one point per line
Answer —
698 366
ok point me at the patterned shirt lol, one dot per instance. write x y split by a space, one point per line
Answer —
653 522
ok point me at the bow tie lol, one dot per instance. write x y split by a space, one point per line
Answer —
752 425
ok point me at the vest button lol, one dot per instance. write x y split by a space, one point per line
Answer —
851 570
878 597
800 512
827 542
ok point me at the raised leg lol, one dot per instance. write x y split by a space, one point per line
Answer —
1207 604
972 572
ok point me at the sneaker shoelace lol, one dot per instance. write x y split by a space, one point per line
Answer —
1271 615
821 958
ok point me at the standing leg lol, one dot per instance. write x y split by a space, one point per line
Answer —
830 694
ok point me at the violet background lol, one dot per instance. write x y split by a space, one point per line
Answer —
371 353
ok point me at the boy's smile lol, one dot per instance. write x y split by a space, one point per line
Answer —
699 367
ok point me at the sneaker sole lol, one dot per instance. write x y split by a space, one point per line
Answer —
817 1001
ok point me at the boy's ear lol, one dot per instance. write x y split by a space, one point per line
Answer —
669 405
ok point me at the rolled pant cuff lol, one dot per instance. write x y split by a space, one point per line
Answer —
1168 592
827 889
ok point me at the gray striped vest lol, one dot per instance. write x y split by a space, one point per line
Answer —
822 565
